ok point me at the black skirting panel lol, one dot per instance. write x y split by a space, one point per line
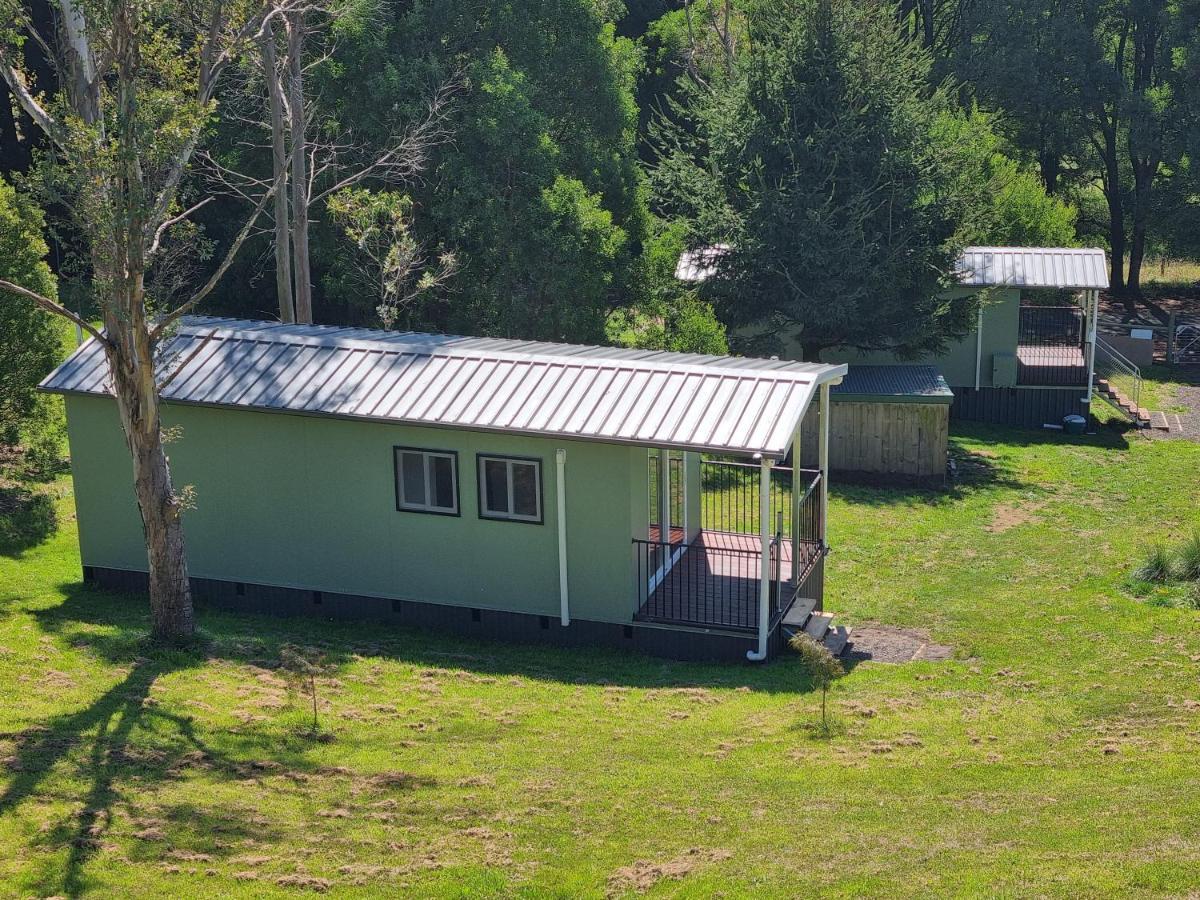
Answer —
1028 407
691 645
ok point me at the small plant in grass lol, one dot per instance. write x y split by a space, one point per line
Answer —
1186 562
302 666
821 666
1156 565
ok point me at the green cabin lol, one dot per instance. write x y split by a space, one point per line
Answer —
580 495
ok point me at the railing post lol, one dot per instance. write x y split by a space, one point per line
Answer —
823 457
664 495
1092 315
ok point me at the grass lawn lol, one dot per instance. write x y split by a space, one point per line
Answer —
1057 755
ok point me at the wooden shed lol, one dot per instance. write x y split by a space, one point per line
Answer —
888 425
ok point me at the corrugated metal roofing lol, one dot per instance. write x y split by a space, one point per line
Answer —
651 398
913 383
1029 267
1034 267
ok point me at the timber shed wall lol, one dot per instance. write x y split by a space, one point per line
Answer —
883 442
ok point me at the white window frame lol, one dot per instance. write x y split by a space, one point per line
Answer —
428 506
510 461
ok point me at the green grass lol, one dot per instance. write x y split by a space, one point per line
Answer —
1056 756
1169 271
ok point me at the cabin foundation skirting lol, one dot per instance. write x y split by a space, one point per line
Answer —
670 642
1026 407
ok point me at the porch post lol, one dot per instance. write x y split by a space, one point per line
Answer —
797 491
764 581
664 495
1093 313
823 457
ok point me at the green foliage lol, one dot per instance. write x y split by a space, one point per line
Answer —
821 667
1155 565
29 337
666 315
1185 563
537 193
819 161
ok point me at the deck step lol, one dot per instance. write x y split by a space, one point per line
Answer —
797 616
818 625
837 639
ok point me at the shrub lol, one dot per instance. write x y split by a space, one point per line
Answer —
1156 565
1186 562
820 665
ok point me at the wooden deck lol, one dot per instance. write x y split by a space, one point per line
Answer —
1050 365
714 582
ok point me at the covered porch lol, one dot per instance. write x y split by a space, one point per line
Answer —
733 543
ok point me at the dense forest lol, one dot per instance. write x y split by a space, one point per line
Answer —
535 167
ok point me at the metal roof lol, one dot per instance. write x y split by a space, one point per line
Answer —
1027 267
909 384
651 398
1034 267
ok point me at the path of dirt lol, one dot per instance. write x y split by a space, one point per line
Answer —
882 643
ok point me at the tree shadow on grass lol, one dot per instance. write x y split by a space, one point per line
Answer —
27 517
100 737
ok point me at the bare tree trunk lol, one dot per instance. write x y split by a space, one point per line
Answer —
133 384
300 260
279 160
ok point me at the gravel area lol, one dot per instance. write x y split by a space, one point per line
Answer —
1184 425
881 643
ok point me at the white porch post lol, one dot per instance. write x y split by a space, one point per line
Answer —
797 492
664 495
823 457
1093 312
764 583
561 492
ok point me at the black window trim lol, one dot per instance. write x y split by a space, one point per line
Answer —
480 488
453 454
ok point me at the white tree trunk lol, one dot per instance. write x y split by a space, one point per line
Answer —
299 142
279 161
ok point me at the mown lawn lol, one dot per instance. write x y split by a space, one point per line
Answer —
1057 755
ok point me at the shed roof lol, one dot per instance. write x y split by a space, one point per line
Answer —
1034 267
1028 267
659 399
896 384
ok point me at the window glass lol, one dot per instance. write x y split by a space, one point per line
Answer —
495 479
426 481
442 480
413 474
525 489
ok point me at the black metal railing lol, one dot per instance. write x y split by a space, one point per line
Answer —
1051 326
699 585
1050 346
730 492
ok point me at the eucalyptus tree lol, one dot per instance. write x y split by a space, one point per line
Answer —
137 90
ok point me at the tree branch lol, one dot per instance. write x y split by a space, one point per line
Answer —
216 276
16 84
55 307
167 223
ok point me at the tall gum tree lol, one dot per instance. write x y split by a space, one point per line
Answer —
138 87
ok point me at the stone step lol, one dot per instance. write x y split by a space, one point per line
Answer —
1158 421
797 616
818 625
837 639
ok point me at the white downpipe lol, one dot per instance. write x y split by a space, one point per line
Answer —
797 496
978 348
1093 314
560 458
764 582
823 460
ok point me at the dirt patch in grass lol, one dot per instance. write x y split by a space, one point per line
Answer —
1010 515
644 874
882 643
